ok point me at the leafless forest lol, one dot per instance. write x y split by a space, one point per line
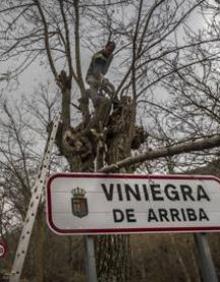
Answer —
166 75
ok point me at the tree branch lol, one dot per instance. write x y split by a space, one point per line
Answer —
185 147
46 39
67 45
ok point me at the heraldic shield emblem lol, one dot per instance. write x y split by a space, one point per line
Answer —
79 202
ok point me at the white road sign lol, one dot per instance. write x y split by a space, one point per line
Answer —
3 249
88 203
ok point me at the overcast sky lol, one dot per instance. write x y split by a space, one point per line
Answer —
37 73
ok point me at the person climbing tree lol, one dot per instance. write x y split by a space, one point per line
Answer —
95 75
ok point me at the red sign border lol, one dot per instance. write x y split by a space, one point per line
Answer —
59 231
4 245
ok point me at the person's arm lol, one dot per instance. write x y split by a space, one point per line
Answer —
107 64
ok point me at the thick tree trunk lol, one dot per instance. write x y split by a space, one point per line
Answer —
113 252
113 258
106 138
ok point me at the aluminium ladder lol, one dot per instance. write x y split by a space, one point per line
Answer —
33 206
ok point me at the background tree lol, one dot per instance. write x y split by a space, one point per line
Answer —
151 53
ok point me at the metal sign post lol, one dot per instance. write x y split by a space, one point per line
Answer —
206 265
90 259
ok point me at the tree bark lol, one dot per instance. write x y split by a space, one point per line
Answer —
106 138
113 251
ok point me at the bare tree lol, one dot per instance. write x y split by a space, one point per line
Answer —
150 54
